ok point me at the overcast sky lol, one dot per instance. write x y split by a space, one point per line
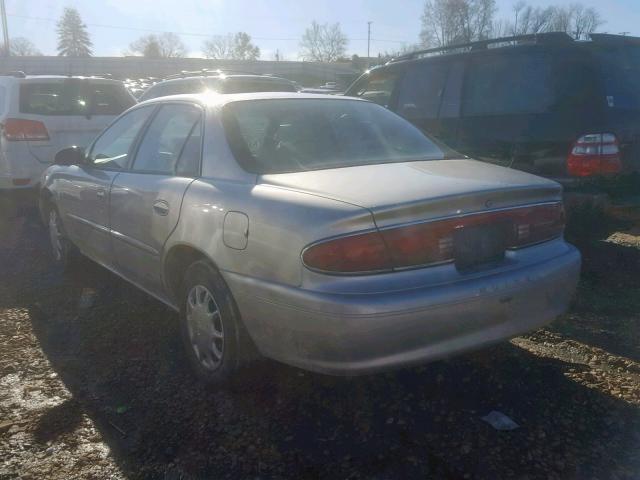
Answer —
273 24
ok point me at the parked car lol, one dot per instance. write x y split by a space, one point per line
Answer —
545 104
41 114
218 82
326 231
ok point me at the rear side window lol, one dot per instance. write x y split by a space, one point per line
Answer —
509 84
165 139
248 86
377 87
73 97
621 75
422 89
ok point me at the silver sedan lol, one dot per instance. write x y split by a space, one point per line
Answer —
325 232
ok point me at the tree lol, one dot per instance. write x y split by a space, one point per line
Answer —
447 22
231 47
21 47
575 19
73 38
165 45
243 49
323 43
584 21
219 47
531 20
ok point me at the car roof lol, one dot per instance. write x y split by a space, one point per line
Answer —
63 77
225 77
547 40
213 99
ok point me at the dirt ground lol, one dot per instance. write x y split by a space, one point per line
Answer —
93 385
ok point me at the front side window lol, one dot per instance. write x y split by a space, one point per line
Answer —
111 149
165 139
289 135
509 84
377 87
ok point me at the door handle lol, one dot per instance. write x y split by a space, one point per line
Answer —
161 208
100 193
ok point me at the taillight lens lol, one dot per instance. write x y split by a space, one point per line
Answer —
357 253
594 154
537 224
430 243
17 130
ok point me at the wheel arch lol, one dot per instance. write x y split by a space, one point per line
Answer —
176 262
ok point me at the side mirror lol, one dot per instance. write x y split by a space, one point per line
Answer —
70 156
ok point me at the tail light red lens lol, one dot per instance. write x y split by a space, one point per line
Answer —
430 243
17 130
357 253
595 154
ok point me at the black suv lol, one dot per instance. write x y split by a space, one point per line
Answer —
218 81
541 103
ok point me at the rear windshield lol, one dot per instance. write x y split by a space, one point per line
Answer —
292 135
249 86
181 87
74 97
621 75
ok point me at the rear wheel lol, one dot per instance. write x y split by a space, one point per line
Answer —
211 331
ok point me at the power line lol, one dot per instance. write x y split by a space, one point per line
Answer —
195 34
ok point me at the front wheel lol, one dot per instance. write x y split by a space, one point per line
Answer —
211 331
61 248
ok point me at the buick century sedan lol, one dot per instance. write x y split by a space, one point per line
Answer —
324 232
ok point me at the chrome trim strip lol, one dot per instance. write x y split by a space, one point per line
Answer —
468 214
135 243
97 226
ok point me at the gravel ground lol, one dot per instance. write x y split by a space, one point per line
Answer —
93 385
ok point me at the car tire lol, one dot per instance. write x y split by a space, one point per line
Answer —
63 252
213 336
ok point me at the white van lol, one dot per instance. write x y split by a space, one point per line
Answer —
41 114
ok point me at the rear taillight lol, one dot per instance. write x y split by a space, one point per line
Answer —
594 154
16 130
430 243
356 253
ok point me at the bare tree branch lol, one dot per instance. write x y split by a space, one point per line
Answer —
323 43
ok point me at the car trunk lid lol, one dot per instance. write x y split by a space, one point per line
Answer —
398 193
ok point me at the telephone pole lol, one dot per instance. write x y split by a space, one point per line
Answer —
368 41
5 29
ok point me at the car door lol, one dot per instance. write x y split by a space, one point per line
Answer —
84 190
146 200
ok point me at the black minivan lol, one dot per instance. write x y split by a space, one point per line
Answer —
544 103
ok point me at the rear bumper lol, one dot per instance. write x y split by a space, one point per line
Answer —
346 334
